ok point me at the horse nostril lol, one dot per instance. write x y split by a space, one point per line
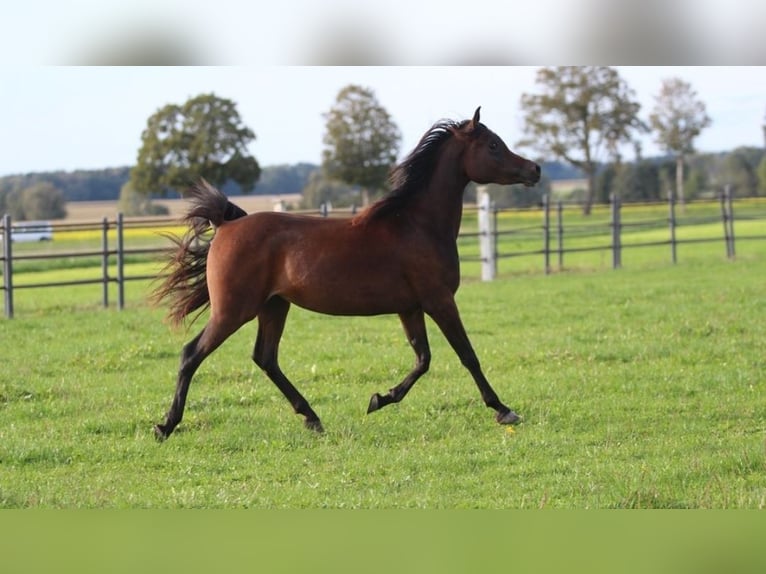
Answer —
537 169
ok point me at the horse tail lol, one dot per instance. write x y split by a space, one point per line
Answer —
185 284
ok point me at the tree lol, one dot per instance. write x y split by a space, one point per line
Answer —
361 141
738 170
133 203
582 113
203 138
696 183
320 190
762 176
40 200
678 118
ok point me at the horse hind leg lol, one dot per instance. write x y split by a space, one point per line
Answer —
415 329
271 324
194 352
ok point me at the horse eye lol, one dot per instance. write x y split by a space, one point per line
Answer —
493 145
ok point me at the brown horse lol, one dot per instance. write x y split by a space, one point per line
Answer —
397 256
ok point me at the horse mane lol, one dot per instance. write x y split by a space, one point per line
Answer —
413 173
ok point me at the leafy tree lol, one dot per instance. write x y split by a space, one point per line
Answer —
581 114
739 170
640 181
762 176
678 118
697 182
361 141
284 179
205 137
605 183
320 189
43 201
40 200
133 203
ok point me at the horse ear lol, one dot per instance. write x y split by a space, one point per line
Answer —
475 120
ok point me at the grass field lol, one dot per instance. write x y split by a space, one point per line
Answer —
642 388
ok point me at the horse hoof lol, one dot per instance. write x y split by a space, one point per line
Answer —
508 418
374 403
160 434
314 425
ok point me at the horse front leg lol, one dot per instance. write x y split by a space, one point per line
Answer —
415 328
447 317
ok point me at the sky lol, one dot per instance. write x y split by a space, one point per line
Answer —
68 118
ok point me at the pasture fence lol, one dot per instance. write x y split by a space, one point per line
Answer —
546 238
107 252
549 232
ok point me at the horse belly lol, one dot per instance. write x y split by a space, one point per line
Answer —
350 287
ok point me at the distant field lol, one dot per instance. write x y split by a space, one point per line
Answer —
96 210
564 187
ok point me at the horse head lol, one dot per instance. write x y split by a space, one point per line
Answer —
488 160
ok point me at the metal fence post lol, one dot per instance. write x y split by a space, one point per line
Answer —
560 232
547 233
105 261
672 223
8 265
486 243
730 217
495 236
725 220
616 225
120 263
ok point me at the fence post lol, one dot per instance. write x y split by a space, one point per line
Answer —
8 265
730 217
672 223
560 232
725 220
120 263
105 261
486 243
547 233
616 225
493 232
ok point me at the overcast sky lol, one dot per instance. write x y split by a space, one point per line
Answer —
67 118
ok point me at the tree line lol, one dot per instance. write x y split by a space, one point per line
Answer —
580 119
17 192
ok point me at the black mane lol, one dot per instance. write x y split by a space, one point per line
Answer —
415 171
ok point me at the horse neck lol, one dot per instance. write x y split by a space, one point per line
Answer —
442 201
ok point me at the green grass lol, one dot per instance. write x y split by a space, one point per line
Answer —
642 388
